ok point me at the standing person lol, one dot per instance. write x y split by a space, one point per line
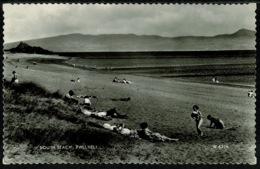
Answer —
197 116
213 79
14 79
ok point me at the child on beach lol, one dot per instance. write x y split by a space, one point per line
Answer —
215 122
197 116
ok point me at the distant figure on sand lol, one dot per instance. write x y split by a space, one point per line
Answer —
121 129
78 80
251 93
147 134
14 79
197 116
116 80
215 80
69 97
215 123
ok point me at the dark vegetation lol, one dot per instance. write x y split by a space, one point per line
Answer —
37 117
25 48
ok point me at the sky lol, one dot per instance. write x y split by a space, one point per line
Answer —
30 21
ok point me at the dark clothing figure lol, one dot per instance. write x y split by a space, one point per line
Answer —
113 113
215 122
69 97
147 134
14 79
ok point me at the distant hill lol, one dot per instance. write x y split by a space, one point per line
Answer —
241 40
25 48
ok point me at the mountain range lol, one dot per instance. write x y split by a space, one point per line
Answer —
243 39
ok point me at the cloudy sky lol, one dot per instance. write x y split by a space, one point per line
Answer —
23 22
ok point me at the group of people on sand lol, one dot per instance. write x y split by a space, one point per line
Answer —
215 123
88 110
105 115
143 133
215 80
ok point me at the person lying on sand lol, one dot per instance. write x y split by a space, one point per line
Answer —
86 110
147 134
86 99
144 133
126 81
106 115
92 113
120 128
197 116
116 80
112 113
215 123
121 99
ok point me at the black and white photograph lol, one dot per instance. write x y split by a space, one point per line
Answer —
129 83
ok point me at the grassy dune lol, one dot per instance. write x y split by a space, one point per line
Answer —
36 118
166 104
